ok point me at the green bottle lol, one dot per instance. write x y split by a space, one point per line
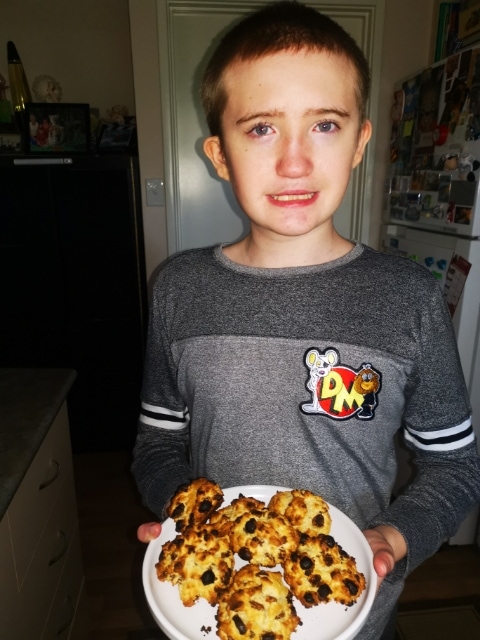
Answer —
19 89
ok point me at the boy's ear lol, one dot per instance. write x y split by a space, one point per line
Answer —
364 136
212 147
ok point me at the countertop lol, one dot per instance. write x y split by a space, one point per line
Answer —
29 402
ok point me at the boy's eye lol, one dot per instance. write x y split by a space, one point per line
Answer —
327 127
260 130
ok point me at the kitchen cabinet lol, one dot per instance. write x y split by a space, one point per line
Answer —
72 277
10 612
41 582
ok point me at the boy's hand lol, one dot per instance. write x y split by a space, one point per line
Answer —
388 546
149 531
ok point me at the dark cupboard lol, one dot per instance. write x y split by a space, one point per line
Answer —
72 283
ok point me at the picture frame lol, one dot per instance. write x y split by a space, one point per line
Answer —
469 21
57 128
115 136
11 143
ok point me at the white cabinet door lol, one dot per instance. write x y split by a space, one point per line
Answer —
11 621
201 209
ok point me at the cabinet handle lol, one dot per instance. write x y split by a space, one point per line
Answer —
71 613
62 551
40 161
56 473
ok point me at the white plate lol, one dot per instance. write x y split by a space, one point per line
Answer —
330 621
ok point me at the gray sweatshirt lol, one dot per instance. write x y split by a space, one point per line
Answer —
301 377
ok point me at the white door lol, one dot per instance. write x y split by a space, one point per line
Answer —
201 209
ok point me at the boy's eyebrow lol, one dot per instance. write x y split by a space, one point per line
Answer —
321 112
341 113
261 115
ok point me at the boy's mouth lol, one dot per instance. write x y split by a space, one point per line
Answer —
292 197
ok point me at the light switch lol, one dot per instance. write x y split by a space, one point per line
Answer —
155 190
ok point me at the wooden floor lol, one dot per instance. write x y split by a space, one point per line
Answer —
110 511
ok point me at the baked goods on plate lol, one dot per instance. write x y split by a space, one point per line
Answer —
258 604
194 503
200 561
320 571
336 621
307 512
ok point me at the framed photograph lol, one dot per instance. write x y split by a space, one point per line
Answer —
469 20
115 136
11 143
58 128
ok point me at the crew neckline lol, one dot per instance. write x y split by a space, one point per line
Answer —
274 272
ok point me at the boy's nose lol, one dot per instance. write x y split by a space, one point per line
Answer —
294 159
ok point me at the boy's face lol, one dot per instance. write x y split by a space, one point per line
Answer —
291 135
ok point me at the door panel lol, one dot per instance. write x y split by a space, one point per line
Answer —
201 208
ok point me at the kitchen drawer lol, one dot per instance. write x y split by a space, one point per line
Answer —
36 496
43 576
11 619
64 610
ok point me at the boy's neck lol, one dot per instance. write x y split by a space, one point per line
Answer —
271 253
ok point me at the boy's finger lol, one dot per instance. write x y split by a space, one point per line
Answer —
149 531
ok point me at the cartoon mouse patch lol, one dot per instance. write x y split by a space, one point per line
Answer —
337 390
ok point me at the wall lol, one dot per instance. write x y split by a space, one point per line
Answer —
87 47
84 44
407 48
143 25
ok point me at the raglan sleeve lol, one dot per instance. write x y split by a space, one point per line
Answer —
437 428
161 453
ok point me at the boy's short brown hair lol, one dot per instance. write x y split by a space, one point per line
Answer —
278 27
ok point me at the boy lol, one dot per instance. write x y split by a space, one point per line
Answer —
243 336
